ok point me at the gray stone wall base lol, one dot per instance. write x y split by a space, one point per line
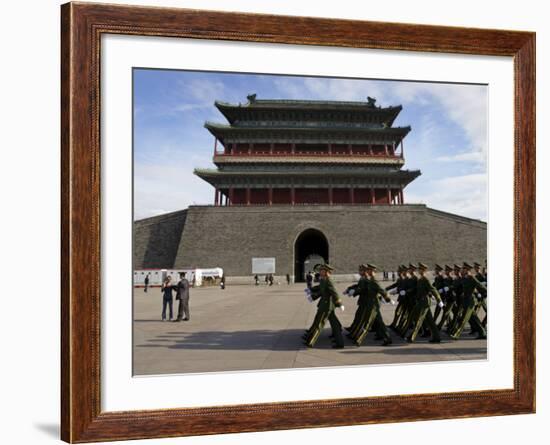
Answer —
229 237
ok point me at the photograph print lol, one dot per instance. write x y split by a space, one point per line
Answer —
295 222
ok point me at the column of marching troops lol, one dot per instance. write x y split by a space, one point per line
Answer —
459 291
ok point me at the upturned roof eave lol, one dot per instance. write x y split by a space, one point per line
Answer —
227 109
214 126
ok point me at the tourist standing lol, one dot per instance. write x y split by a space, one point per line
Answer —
182 295
167 297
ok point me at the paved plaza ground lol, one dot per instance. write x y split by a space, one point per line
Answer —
260 327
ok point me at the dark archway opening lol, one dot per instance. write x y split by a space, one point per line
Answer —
309 246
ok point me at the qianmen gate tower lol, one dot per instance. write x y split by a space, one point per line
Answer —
302 152
299 182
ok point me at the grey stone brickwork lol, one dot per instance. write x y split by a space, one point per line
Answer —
156 240
229 237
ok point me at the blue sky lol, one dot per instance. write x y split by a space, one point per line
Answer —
448 140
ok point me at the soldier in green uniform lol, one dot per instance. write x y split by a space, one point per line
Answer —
399 289
411 286
372 310
329 300
422 312
358 291
469 285
481 298
448 297
439 284
458 308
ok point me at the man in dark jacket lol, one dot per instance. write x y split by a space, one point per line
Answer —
182 295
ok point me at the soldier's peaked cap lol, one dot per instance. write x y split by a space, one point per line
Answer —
412 266
403 267
476 264
363 267
456 266
448 268
422 266
438 267
371 266
326 267
466 266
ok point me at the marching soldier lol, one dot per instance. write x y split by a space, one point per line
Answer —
422 312
458 298
358 290
329 300
411 286
372 310
448 297
469 285
439 284
481 298
398 288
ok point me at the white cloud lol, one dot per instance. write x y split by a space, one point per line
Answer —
464 195
164 180
469 156
167 187
464 105
203 91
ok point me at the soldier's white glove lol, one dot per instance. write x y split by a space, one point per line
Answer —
440 304
341 308
308 297
440 290
351 292
393 291
402 292
392 302
484 283
446 288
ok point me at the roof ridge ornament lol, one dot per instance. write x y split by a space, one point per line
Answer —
251 98
371 101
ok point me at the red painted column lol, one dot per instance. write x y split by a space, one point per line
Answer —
248 196
293 148
350 150
230 195
386 149
271 148
250 148
388 192
402 155
292 196
270 193
401 196
215 145
216 194
330 195
329 149
352 195
370 149
371 195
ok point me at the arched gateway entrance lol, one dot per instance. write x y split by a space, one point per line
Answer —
310 248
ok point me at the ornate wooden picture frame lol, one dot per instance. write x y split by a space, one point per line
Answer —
82 26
